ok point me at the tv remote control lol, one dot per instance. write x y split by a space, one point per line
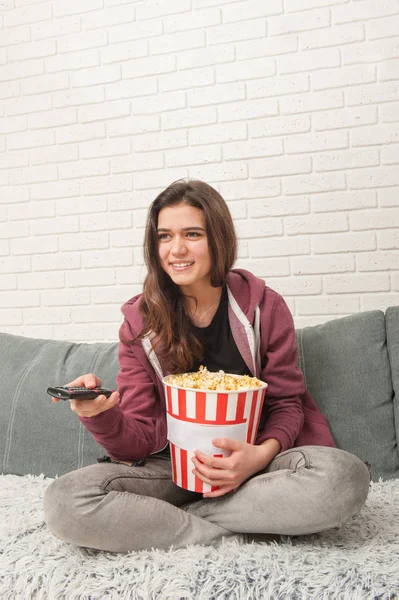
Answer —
77 393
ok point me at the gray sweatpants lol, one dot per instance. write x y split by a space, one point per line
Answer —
120 508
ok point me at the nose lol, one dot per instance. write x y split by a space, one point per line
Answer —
178 246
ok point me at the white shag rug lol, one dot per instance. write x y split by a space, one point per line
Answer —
360 561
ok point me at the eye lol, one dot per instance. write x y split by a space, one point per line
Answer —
163 236
193 234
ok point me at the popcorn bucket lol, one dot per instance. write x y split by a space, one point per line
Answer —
196 417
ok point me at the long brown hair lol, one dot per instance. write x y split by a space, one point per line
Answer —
161 303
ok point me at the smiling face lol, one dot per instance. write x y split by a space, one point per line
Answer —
183 245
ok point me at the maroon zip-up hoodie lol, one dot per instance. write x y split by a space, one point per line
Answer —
263 329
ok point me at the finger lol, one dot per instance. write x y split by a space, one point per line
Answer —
214 476
216 462
208 469
89 381
227 444
55 399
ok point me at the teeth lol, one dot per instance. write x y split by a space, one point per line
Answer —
181 264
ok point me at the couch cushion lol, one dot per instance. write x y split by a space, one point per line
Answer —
347 372
36 435
392 325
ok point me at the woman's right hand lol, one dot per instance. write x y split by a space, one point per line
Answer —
91 408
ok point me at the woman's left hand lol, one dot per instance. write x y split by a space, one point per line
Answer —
230 472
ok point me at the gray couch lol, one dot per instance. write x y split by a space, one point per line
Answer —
351 366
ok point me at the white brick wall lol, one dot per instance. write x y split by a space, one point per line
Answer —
290 108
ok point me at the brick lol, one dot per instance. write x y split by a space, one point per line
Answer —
107 258
310 184
290 23
317 224
104 147
124 51
355 283
30 139
56 28
33 316
106 185
249 149
275 207
272 267
28 14
395 281
155 9
57 189
345 118
131 275
346 159
373 178
12 195
103 112
273 167
388 112
195 156
298 5
51 119
334 36
53 154
136 30
20 300
248 109
278 86
27 104
375 135
11 89
45 83
95 76
22 70
14 264
107 221
71 7
88 241
83 168
55 225
78 60
234 32
266 47
124 239
80 333
368 52
162 140
31 210
387 260
84 40
279 247
138 162
78 97
163 178
91 278
388 239
238 210
259 227
159 103
242 11
316 142
350 242
104 19
101 314
133 125
217 94
188 79
259 188
189 117
34 245
15 35
55 262
390 155
328 306
66 297
311 60
80 133
311 101
34 174
363 11
192 20
337 201
13 125
382 28
379 302
279 126
74 206
177 42
8 282
388 197
12 160
131 88
149 65
344 76
246 69
388 70
31 50
203 57
219 172
10 317
296 286
374 219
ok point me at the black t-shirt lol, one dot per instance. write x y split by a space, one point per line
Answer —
220 349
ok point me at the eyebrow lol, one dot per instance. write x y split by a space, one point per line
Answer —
183 229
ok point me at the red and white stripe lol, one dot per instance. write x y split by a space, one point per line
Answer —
196 417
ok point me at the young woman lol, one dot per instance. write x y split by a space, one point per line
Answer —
196 310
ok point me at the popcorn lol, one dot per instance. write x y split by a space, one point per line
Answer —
206 380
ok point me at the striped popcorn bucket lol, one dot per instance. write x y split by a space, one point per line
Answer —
196 417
